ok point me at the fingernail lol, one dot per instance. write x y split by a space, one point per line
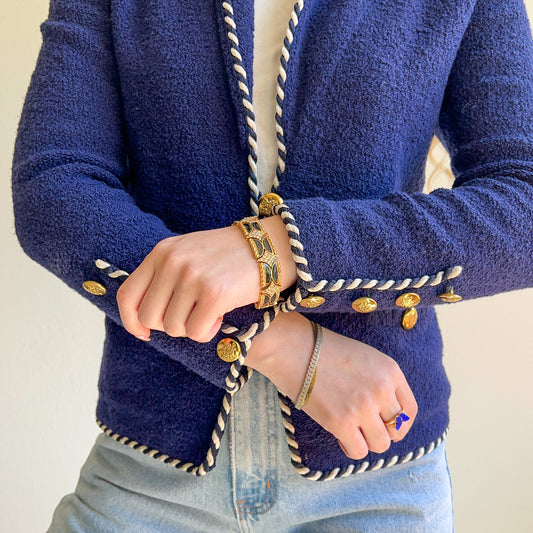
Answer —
143 338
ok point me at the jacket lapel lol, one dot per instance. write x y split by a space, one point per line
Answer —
236 23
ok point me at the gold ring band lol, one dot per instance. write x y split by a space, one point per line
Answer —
397 420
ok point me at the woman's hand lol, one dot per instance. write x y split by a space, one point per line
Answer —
357 387
186 284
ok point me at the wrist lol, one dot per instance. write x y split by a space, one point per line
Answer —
282 352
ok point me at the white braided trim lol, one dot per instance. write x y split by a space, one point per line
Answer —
336 472
101 264
285 54
380 285
199 470
238 66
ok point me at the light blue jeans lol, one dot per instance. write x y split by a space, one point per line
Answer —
252 488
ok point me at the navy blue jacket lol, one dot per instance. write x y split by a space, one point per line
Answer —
138 125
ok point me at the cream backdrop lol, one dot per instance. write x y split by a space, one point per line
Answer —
51 341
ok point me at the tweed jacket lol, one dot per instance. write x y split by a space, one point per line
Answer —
138 125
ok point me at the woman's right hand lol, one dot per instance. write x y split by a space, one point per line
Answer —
357 387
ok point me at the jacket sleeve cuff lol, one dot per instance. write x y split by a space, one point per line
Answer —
318 291
237 331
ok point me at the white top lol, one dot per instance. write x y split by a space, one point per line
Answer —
271 21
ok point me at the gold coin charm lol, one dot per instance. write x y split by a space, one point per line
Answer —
450 297
94 287
408 299
267 203
312 301
409 318
228 350
364 305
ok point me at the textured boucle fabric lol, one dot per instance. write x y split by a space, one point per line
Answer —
134 129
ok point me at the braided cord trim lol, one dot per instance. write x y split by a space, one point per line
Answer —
280 90
234 381
237 376
198 470
242 82
297 249
312 285
319 475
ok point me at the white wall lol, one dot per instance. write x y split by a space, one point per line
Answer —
51 340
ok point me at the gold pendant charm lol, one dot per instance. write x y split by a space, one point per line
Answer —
409 318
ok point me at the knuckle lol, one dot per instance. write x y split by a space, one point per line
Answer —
197 337
195 333
415 407
365 402
344 419
172 261
393 368
383 387
172 330
381 446
358 452
162 245
145 318
401 434
211 290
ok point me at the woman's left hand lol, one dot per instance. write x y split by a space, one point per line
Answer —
186 284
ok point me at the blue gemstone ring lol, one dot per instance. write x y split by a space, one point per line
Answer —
397 420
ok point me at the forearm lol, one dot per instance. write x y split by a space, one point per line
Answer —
357 387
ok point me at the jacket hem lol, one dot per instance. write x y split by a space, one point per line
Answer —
336 472
209 461
196 469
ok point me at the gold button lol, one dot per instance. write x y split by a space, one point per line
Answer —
364 305
267 202
94 287
408 299
450 297
228 350
312 301
409 318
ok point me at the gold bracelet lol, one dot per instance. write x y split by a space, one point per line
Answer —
267 259
310 375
